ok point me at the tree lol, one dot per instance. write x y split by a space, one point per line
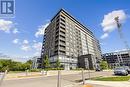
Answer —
5 64
29 64
13 65
58 65
104 65
46 62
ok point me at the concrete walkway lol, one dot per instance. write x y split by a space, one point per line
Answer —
109 83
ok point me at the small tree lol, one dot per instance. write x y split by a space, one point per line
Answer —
46 63
58 64
104 65
29 64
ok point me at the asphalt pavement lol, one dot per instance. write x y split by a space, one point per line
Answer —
51 81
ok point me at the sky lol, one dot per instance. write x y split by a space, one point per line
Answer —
22 35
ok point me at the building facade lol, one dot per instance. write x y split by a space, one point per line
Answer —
87 62
120 58
36 62
67 39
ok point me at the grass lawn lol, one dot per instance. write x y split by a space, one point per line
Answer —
117 78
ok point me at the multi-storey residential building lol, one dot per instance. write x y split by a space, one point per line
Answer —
36 62
67 39
120 58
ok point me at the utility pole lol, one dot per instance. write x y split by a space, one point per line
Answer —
83 78
121 34
59 79
2 78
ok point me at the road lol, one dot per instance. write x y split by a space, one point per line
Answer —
51 81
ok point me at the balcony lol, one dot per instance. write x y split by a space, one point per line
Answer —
62 31
62 49
62 24
61 52
62 20
62 28
61 35
57 32
61 16
62 42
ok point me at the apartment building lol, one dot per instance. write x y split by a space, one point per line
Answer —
120 58
36 62
67 39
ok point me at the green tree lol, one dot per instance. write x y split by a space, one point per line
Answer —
58 65
5 64
14 66
29 64
104 65
46 62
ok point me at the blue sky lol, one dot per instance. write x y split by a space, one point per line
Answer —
32 15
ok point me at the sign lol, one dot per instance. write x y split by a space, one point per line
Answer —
7 8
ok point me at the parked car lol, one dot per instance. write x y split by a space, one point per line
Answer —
127 69
120 71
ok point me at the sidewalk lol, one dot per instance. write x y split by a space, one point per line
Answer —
109 83
22 75
80 85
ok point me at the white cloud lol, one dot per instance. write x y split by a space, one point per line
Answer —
25 42
15 31
25 48
120 50
37 53
34 41
108 24
105 35
41 30
103 44
37 46
16 41
6 26
30 47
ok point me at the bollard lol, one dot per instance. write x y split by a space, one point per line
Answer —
83 77
3 77
59 79
42 72
26 72
89 74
